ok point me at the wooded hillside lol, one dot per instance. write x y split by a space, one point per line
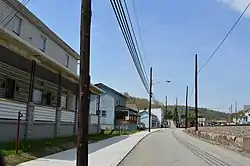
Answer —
203 112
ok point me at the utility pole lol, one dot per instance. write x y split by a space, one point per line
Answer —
235 107
176 112
166 111
150 97
186 126
82 143
196 93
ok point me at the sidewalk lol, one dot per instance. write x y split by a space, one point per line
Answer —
108 152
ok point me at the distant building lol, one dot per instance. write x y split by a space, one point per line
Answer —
144 117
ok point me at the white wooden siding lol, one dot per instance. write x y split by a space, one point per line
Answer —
31 34
93 119
92 104
22 82
67 116
9 110
107 103
44 114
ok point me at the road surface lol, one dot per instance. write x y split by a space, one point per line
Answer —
172 147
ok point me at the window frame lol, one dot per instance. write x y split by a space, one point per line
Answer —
43 41
37 89
20 21
104 113
66 63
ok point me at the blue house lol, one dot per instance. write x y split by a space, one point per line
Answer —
113 110
155 122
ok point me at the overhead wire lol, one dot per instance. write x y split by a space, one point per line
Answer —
136 42
221 43
224 39
123 24
129 32
140 35
20 5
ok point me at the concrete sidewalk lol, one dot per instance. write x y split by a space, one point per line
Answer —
108 152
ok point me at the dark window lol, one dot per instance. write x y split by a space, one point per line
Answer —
48 98
10 88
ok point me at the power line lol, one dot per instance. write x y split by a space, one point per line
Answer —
136 43
229 32
218 47
140 35
123 24
24 2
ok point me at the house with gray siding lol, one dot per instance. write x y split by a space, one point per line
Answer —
38 78
113 110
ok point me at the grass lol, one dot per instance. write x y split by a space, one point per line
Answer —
32 149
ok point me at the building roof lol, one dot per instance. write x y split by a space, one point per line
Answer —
42 27
132 106
100 85
131 111
142 111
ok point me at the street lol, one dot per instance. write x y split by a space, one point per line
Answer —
172 147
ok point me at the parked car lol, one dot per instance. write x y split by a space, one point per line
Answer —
141 126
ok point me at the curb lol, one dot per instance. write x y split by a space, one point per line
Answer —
135 146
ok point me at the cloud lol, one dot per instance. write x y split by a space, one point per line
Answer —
237 5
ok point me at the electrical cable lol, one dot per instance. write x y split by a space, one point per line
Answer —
229 32
24 2
121 18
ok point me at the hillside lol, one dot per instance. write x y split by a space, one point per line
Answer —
203 112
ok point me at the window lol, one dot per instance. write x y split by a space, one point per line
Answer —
17 24
43 43
104 113
66 60
37 96
48 98
10 88
64 101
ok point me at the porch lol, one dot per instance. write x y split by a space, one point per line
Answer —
44 91
126 118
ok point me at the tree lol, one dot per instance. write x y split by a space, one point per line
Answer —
168 115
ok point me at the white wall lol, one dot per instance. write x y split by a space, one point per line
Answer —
92 104
107 103
31 34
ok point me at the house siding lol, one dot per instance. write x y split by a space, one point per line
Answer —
22 82
107 104
32 34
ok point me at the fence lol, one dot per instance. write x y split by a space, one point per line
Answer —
38 122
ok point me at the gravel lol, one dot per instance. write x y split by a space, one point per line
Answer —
238 131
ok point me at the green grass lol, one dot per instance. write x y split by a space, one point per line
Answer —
32 149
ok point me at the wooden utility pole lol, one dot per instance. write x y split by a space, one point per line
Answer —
82 143
150 98
176 112
166 111
196 93
186 121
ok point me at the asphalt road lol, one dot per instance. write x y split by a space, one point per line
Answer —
172 147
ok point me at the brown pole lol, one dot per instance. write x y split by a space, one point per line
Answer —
196 93
82 145
18 131
186 126
150 97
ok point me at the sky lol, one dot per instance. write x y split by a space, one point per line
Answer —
172 32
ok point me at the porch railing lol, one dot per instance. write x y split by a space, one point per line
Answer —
67 116
9 110
44 114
